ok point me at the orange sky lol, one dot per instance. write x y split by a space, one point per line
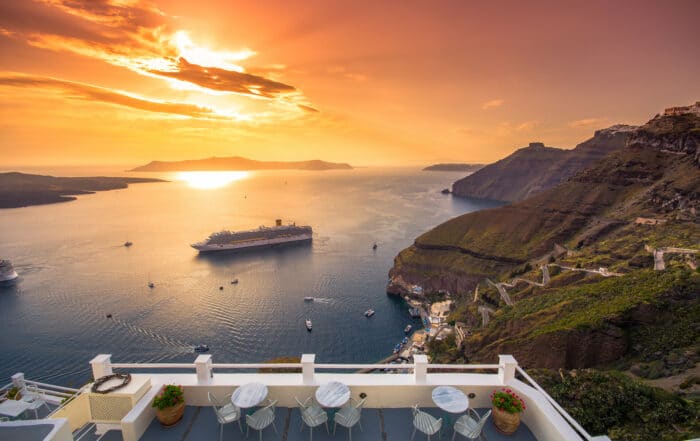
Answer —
365 82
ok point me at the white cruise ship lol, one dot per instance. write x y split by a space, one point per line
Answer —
7 272
260 237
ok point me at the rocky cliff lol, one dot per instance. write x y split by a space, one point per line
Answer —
535 168
603 292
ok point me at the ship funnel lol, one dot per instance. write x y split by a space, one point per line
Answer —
278 222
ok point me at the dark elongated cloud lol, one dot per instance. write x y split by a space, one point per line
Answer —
87 91
224 80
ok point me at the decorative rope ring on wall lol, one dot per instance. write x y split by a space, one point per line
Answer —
126 379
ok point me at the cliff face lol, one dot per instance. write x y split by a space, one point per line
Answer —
589 221
536 168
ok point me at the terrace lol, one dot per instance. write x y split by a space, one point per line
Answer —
127 415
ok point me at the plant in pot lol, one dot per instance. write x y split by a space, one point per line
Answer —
506 407
169 404
14 393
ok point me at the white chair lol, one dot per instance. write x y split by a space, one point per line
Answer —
470 426
261 419
35 398
312 415
426 423
349 415
225 413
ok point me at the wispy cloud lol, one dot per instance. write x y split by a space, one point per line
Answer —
492 104
95 93
138 36
588 122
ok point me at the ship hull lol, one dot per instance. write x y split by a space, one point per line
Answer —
8 278
261 243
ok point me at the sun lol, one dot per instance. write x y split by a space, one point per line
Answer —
208 180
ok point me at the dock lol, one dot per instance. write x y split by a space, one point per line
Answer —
386 360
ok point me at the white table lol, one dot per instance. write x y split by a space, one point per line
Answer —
13 408
249 395
450 399
332 394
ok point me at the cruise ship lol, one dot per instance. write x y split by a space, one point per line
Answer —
260 237
7 272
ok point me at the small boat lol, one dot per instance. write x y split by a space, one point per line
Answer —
234 281
308 299
397 348
151 285
221 288
445 191
108 315
407 329
369 312
128 244
404 341
201 348
308 324
374 247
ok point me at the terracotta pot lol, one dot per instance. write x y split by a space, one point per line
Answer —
505 422
171 415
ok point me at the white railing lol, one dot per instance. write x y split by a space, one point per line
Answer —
418 372
556 405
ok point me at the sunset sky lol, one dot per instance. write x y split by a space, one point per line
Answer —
364 82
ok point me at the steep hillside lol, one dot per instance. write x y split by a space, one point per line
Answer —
595 233
536 168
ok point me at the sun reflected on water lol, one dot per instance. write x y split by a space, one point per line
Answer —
208 180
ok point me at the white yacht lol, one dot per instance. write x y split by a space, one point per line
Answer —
7 272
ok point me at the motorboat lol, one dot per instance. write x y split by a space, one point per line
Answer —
128 244
407 329
308 324
308 299
201 348
151 285
369 313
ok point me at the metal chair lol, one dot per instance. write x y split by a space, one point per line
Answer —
349 415
471 426
312 415
36 399
426 423
225 413
261 419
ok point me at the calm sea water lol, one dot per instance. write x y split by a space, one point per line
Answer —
74 270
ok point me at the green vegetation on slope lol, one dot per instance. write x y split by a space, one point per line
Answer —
625 409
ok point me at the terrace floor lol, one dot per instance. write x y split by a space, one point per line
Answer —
199 424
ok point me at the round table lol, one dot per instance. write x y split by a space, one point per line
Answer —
249 395
450 399
332 394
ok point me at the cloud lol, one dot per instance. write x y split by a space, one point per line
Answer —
223 80
491 104
308 108
138 36
87 91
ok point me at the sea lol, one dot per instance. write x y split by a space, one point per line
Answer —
75 271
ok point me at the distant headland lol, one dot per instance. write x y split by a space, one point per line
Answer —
23 190
461 167
238 163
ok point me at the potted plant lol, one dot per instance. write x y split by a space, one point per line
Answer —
506 407
169 404
14 393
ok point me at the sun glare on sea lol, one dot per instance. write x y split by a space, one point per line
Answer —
208 180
